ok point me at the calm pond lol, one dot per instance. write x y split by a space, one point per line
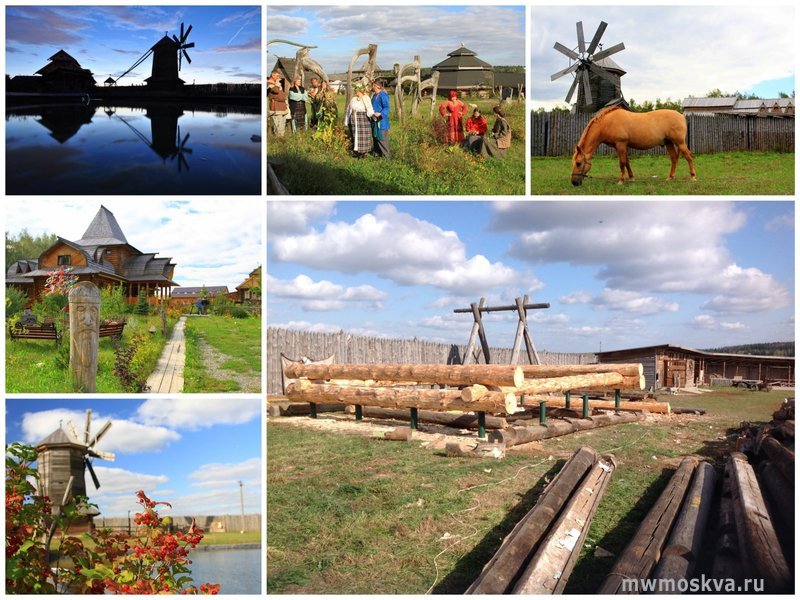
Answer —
237 571
149 149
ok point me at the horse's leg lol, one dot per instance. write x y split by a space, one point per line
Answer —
622 153
673 159
687 154
628 166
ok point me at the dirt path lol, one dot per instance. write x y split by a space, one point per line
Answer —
213 358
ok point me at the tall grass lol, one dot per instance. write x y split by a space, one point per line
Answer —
420 163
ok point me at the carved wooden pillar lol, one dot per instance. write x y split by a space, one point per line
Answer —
84 335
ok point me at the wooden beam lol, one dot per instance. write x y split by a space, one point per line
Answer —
559 402
514 435
457 420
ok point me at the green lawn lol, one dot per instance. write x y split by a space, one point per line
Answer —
38 366
740 173
344 508
234 361
420 164
231 537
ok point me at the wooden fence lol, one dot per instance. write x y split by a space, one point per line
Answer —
348 348
556 133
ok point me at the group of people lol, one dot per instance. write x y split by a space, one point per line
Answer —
291 106
473 137
367 117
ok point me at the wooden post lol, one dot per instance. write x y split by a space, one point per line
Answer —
586 406
84 335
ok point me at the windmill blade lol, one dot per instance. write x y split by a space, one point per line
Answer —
190 45
175 39
186 56
182 161
571 69
103 430
609 51
183 143
602 73
587 90
185 35
566 51
571 89
597 35
88 424
109 456
581 41
73 431
88 464
182 34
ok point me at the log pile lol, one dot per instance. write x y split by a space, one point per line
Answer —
538 556
496 389
516 434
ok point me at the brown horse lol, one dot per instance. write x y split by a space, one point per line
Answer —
624 129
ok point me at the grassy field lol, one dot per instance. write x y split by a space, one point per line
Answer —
740 173
349 514
420 164
235 354
40 366
231 537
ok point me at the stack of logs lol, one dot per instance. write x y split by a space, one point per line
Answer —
494 389
538 556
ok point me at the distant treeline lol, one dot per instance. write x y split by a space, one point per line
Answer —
763 349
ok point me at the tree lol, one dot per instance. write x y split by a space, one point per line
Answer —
24 245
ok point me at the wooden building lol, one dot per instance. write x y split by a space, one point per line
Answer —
190 295
730 105
675 366
64 74
249 291
102 256
463 71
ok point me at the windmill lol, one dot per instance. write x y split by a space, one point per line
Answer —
596 76
168 54
64 456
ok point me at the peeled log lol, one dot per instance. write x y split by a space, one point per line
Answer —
577 404
442 400
624 369
505 375
569 382
458 421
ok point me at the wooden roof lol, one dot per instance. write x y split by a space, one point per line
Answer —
462 59
103 230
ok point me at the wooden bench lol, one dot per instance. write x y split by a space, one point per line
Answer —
113 329
46 331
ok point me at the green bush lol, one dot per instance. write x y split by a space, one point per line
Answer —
50 306
237 312
221 304
142 304
112 302
16 300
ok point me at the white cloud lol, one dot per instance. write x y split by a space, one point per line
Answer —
125 436
632 302
227 474
579 297
114 481
400 247
710 323
295 216
307 326
198 413
286 25
323 295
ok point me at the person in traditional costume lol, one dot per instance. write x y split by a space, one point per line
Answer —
380 120
278 107
297 104
453 111
357 118
315 98
499 141
475 129
328 111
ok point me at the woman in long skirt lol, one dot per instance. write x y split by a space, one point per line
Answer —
297 105
357 118
497 144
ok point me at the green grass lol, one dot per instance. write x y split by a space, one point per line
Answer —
344 508
40 366
739 173
231 537
238 339
419 165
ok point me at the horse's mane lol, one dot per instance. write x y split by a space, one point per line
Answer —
597 116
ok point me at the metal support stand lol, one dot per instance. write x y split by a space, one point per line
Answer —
617 400
312 408
414 418
567 399
359 412
542 413
585 406
481 424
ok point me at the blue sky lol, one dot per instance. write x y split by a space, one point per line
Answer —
671 51
616 274
210 243
496 34
109 39
188 451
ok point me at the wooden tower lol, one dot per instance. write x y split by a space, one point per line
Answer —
168 54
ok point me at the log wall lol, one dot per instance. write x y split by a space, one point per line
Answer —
348 348
556 133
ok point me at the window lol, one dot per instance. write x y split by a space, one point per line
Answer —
64 259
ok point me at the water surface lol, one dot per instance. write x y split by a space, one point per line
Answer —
238 571
150 149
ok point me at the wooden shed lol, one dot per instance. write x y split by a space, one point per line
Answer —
666 365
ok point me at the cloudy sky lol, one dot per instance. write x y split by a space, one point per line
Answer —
496 34
211 242
671 51
190 452
107 40
616 274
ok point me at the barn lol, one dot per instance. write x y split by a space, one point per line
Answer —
667 365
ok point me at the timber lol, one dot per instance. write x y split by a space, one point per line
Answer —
559 402
570 382
399 434
727 564
624 369
443 400
501 375
293 409
459 421
644 551
779 491
780 455
504 567
680 556
514 435
758 543
551 565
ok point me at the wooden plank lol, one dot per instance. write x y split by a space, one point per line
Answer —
644 550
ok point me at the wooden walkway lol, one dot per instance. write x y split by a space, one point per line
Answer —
168 375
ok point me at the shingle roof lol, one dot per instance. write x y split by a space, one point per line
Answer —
103 230
57 438
191 292
462 59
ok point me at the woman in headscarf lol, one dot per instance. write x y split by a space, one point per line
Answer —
476 128
357 118
297 104
499 141
453 111
278 107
